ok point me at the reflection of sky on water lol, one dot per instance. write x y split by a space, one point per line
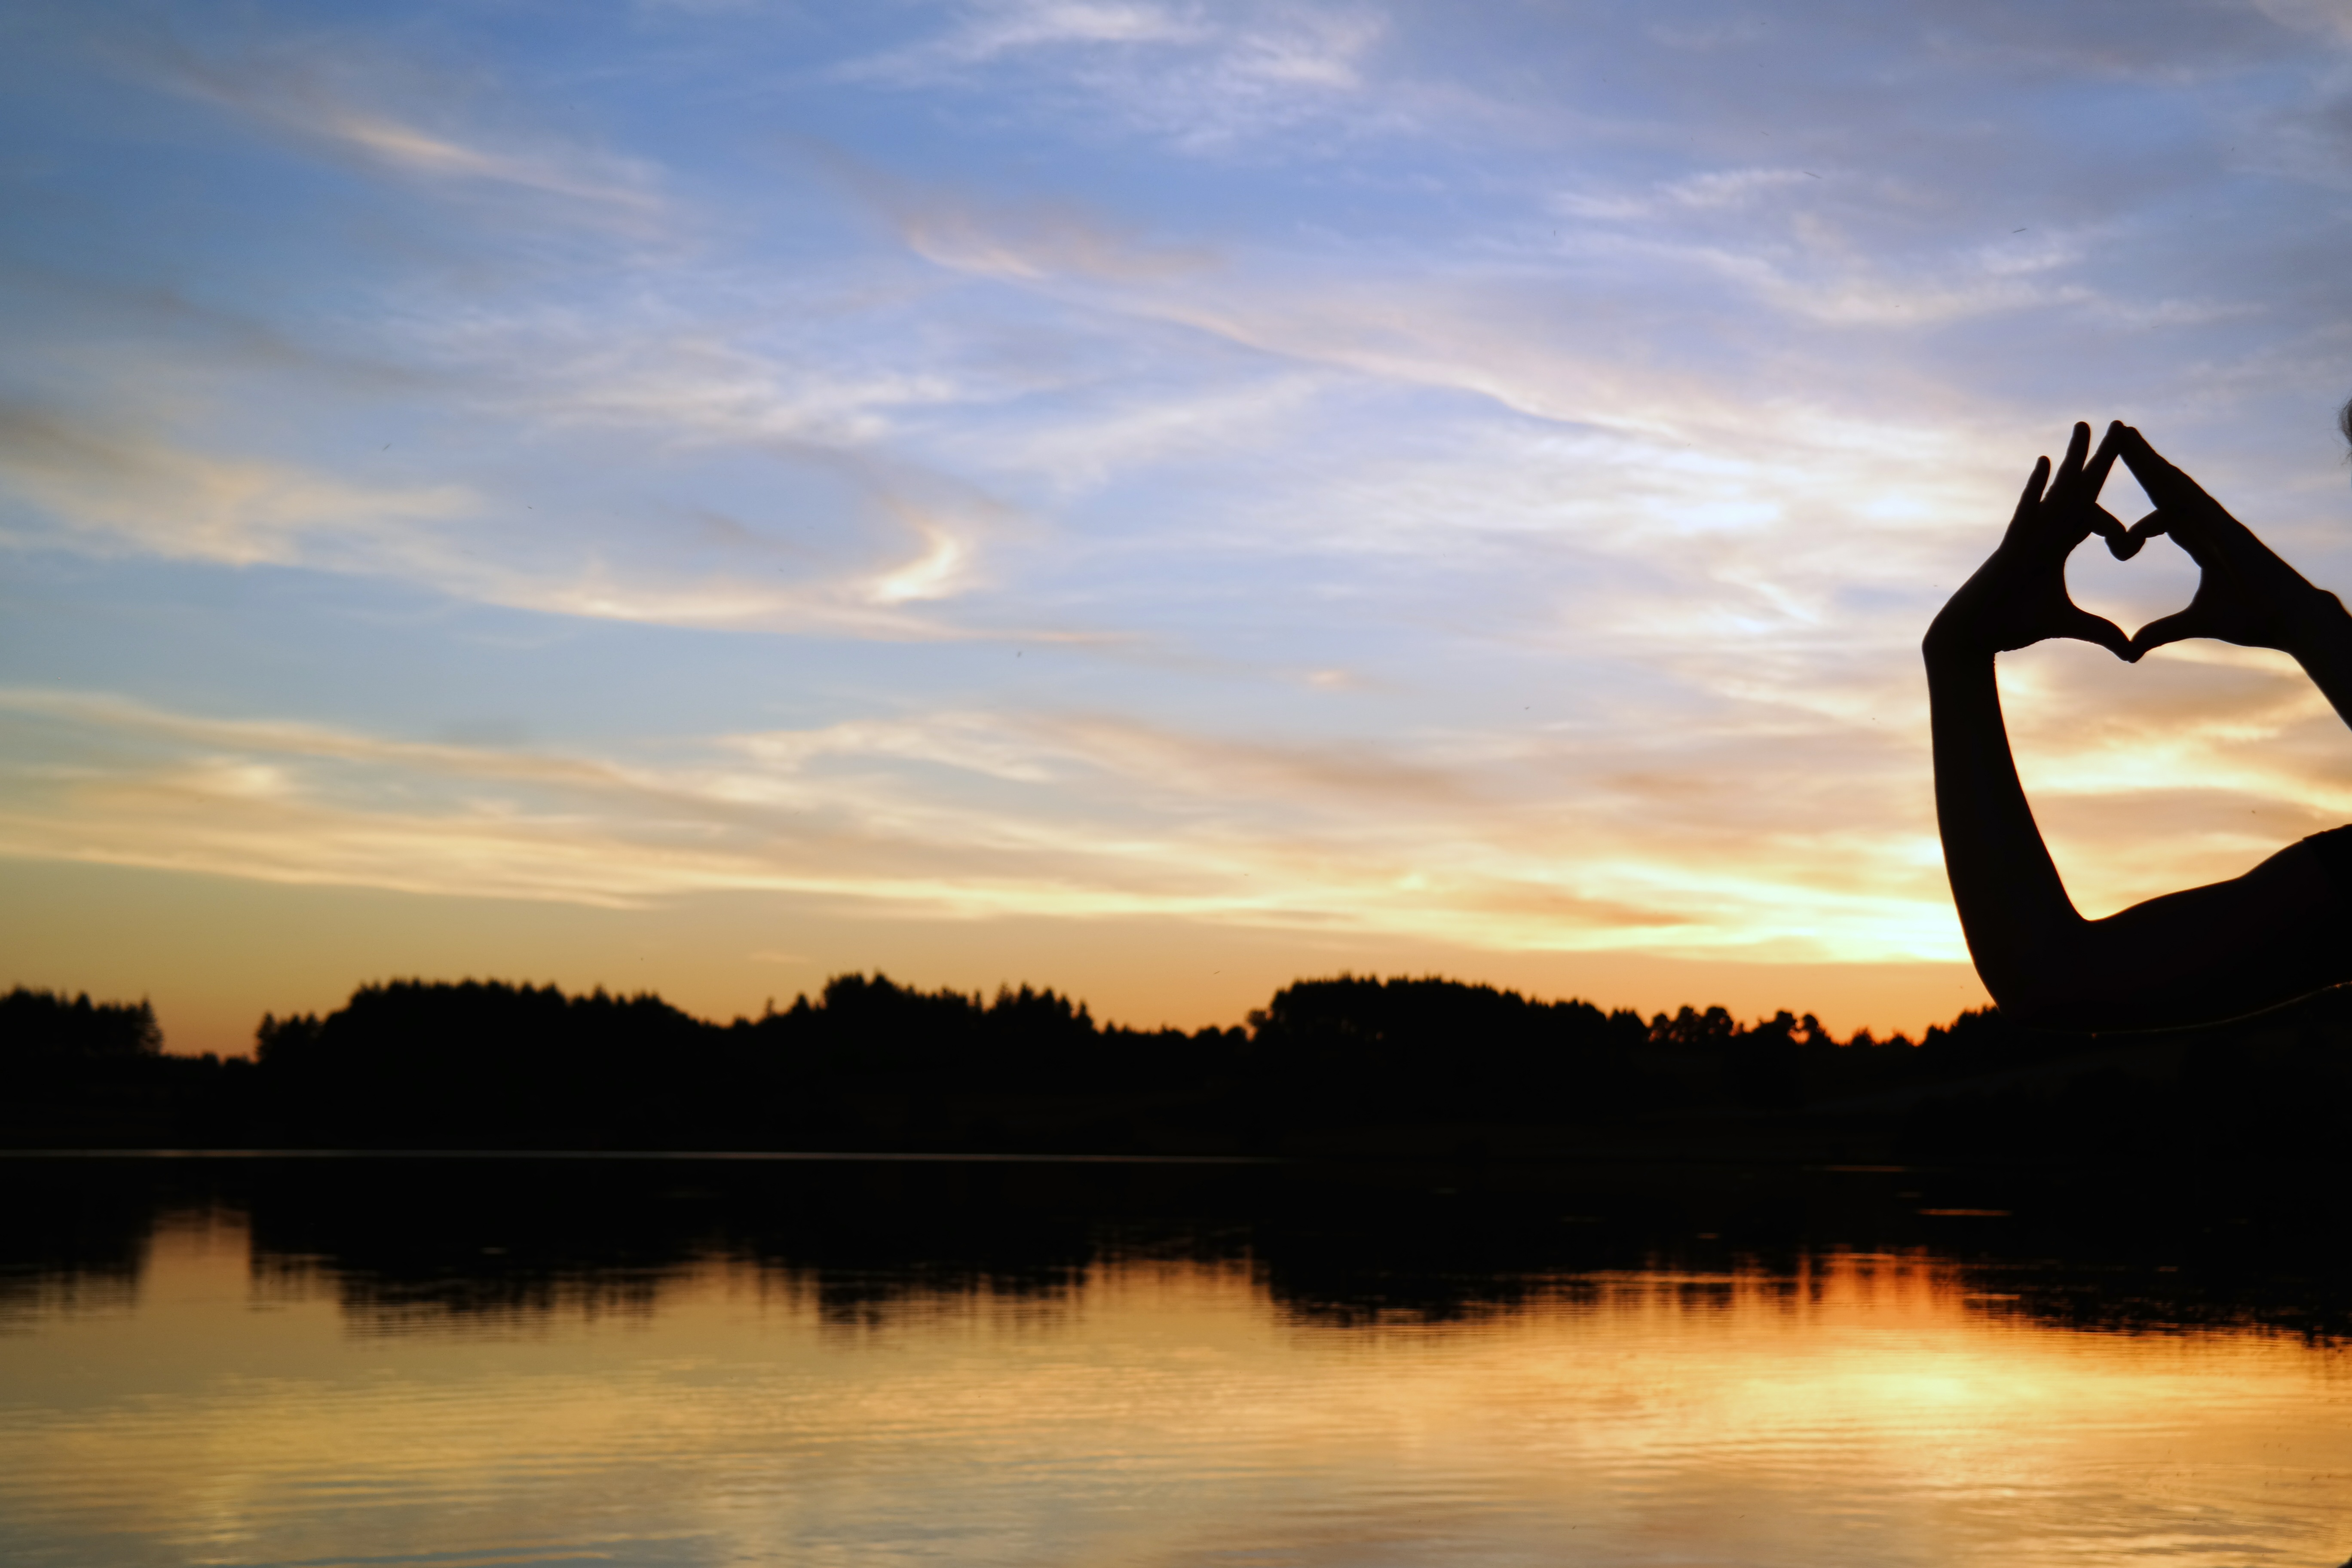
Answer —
1865 1408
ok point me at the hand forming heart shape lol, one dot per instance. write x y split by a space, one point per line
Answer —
2245 594
2113 592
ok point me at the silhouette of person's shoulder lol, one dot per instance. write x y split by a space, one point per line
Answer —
2334 848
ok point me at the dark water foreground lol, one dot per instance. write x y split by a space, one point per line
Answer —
650 1359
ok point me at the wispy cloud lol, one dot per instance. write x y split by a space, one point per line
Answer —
1244 832
2325 17
1024 242
1204 77
986 32
112 490
393 115
125 490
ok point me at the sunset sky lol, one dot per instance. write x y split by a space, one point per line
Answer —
1154 499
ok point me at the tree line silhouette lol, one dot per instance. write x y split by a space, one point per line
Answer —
1347 1064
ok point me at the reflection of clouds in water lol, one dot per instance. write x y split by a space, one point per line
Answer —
1831 1415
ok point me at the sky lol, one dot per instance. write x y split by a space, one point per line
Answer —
1150 498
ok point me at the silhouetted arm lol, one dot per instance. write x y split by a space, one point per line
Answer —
2209 952
2245 594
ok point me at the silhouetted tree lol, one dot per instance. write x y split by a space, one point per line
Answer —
1762 1069
1434 1048
42 1027
75 1072
869 1063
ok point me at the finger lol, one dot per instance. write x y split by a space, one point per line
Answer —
2095 474
2165 483
2033 496
2172 629
2122 543
2203 526
2146 465
2139 455
2078 445
2196 522
2081 624
2171 490
2156 522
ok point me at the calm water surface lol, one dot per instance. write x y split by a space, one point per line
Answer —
663 1364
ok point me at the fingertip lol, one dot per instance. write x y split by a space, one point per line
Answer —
2036 480
2103 461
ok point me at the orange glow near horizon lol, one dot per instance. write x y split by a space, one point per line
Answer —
212 955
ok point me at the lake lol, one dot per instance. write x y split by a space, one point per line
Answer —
461 1362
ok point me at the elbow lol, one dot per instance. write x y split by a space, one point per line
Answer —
2032 1007
2087 987
2057 983
1936 646
2079 1013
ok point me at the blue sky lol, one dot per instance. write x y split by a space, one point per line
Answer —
1150 499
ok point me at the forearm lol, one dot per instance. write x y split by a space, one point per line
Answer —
2322 646
2023 930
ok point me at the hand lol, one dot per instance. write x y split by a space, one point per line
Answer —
2246 595
2018 597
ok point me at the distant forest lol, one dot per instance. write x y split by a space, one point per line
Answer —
1351 1066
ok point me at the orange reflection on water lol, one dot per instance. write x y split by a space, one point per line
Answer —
1862 1409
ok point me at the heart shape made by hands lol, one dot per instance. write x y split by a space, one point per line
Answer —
2141 593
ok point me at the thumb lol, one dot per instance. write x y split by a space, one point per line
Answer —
2145 461
2176 627
2085 627
2164 481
